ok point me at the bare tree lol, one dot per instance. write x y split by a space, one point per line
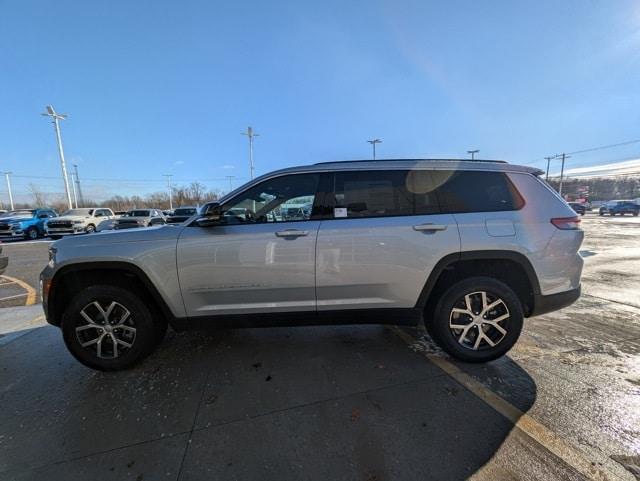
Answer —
39 198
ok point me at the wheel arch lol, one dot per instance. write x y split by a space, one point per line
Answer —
70 278
516 271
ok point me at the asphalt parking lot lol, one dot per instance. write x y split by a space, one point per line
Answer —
321 403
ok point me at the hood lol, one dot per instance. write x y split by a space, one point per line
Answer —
15 219
132 219
71 217
127 235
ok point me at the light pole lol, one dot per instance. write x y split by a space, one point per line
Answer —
230 177
7 174
373 143
546 177
250 134
473 153
79 189
564 156
56 118
168 176
73 186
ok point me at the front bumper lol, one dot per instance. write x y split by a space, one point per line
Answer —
553 302
12 233
46 276
66 231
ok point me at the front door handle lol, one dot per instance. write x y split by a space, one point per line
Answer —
292 233
429 227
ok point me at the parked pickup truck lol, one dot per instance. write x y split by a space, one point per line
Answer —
78 221
25 223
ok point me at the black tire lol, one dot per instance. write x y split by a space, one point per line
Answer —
145 334
90 229
636 213
601 213
449 339
31 233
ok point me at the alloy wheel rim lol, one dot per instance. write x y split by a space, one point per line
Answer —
479 320
108 333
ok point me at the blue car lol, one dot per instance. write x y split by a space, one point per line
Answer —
620 207
25 223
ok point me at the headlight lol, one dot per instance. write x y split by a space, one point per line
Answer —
52 256
141 222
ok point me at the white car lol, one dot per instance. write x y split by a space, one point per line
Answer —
78 221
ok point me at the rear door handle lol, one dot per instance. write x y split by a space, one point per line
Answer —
429 227
292 233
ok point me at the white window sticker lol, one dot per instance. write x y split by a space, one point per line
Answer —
339 212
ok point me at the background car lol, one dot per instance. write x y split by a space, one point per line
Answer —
4 261
25 223
78 221
140 218
181 214
578 207
621 207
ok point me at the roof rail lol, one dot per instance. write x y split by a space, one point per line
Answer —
410 160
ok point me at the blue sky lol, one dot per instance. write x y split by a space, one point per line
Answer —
155 87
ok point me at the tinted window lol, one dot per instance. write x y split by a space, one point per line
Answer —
287 198
470 191
383 193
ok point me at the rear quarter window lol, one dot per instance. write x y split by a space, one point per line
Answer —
476 191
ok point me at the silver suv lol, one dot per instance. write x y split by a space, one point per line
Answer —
468 248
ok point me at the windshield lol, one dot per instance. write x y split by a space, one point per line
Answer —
189 211
79 212
137 213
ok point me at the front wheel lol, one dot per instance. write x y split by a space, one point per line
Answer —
90 229
31 233
477 319
108 328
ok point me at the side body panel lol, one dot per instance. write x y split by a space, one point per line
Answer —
246 269
379 262
152 250
552 252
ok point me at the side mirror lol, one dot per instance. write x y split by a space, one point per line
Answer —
211 215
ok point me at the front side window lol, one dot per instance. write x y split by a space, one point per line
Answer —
383 193
283 199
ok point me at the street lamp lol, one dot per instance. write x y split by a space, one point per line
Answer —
250 134
373 143
56 118
7 174
473 153
168 176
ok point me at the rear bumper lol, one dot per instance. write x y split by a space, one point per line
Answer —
543 304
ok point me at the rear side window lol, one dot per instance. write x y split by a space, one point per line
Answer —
476 191
383 193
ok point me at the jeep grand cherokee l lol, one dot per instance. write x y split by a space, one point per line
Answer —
468 248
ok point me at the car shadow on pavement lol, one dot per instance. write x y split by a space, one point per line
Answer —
280 403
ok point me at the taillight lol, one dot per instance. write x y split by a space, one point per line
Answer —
566 223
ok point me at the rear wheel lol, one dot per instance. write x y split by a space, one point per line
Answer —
477 319
109 328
